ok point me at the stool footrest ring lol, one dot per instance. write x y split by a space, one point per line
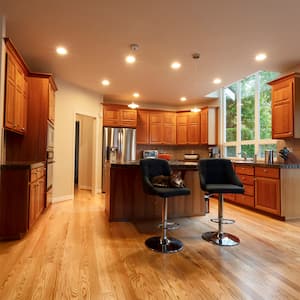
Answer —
170 225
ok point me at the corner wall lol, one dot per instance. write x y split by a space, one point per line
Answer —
69 101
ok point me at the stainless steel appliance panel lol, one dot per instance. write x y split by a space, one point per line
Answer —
119 144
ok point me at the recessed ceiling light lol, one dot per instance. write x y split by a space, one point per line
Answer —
195 109
130 59
183 99
133 105
61 51
105 82
217 81
136 95
260 56
175 65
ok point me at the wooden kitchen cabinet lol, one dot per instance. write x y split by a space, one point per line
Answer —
22 198
286 106
156 127
169 128
181 128
193 128
37 194
246 175
119 116
142 128
208 126
162 128
267 190
15 91
51 104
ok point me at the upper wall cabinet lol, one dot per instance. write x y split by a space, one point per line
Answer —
142 129
162 128
208 128
16 91
119 116
286 106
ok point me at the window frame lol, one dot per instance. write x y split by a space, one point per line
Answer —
238 143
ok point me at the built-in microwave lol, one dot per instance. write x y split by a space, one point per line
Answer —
50 137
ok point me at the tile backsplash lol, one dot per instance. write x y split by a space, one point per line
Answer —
176 152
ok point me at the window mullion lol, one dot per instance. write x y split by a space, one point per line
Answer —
257 113
238 119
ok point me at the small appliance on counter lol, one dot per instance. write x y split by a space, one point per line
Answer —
213 152
165 156
191 157
150 154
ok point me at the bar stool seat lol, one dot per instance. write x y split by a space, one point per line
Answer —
218 177
149 169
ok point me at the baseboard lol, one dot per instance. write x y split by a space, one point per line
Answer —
62 198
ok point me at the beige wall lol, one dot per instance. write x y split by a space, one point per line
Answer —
71 100
86 146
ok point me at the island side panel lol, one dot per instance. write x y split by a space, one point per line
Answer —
128 202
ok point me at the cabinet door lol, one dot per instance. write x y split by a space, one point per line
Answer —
169 134
204 127
20 109
51 111
193 134
267 194
111 116
33 203
128 118
142 128
10 105
155 128
181 134
282 109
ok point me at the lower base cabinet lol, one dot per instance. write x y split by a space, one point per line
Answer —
267 190
22 198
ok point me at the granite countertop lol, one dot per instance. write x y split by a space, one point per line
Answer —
193 165
279 165
22 164
175 164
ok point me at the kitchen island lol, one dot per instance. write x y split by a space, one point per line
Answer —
125 199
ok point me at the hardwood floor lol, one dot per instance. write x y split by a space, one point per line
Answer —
74 253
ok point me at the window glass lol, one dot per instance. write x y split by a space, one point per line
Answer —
230 94
265 112
244 101
248 151
230 151
248 87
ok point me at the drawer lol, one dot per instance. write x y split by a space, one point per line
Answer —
246 170
245 199
267 172
246 179
229 197
249 190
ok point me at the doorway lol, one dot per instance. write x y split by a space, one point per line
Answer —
84 155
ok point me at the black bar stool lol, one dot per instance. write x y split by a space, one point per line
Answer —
218 177
149 169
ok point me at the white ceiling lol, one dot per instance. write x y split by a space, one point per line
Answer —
98 33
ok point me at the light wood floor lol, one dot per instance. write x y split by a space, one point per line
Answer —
74 253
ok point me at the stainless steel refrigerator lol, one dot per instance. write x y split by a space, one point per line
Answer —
119 145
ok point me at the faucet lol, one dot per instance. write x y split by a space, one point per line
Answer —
243 155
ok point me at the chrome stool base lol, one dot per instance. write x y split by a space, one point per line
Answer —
221 239
171 246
